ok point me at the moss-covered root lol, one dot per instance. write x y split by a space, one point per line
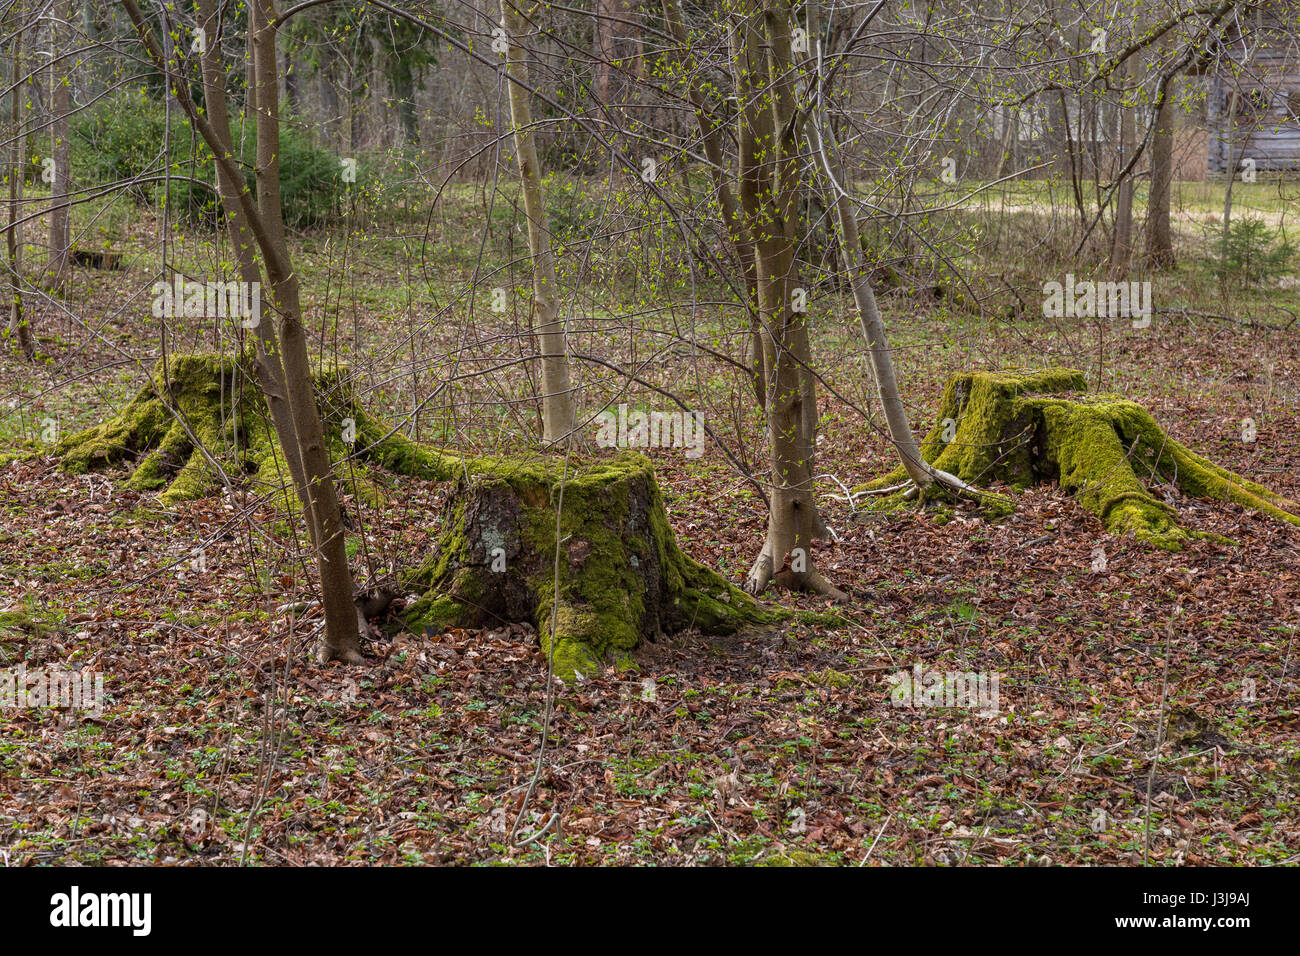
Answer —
214 401
219 403
622 575
1025 427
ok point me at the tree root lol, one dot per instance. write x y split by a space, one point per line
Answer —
763 572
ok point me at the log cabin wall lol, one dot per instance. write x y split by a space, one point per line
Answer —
1253 100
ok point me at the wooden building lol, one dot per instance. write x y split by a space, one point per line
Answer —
1252 101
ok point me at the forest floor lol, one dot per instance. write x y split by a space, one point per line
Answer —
221 741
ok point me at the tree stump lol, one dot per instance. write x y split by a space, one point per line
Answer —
622 576
1026 427
216 405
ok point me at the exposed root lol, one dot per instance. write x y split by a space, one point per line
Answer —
953 483
347 656
812 581
760 574
764 572
206 416
201 412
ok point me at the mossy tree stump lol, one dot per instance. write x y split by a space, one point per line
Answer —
213 399
622 575
1021 428
198 413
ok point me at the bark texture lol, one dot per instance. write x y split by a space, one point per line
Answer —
769 140
1160 240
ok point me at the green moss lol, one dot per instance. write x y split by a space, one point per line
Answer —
832 678
1022 428
793 858
828 618
573 656
389 448
435 612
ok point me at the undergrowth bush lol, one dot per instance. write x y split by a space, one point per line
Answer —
123 140
1254 252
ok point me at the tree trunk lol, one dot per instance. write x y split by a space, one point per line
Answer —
269 368
622 577
1230 166
557 399
19 329
787 121
1160 241
305 437
322 505
710 136
1121 251
60 219
873 328
604 43
769 202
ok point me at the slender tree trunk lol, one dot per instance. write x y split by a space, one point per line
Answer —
264 219
822 147
268 364
1232 164
789 186
769 193
1160 242
710 136
322 506
557 400
19 329
604 48
873 329
288 78
1122 244
60 219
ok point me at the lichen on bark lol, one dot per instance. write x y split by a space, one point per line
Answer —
1025 427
